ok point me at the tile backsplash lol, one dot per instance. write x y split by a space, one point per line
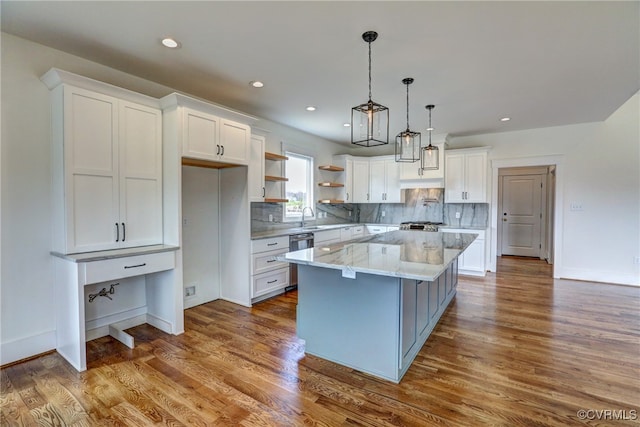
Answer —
425 204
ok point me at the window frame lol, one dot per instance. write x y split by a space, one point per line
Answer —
299 153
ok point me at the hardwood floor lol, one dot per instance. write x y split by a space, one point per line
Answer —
514 348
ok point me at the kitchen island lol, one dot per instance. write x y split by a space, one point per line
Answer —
371 303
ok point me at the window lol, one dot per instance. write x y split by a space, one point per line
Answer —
299 187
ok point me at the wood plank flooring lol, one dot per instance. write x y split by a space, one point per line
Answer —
515 348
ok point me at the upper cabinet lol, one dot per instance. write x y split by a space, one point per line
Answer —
370 179
208 134
384 180
412 176
466 176
255 178
107 165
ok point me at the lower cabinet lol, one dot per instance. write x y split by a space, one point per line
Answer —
327 237
472 262
268 275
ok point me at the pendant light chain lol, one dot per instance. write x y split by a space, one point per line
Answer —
369 71
407 107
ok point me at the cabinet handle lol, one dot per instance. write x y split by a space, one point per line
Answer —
117 232
367 196
124 232
222 154
272 281
135 266
264 193
271 260
347 196
272 244
218 149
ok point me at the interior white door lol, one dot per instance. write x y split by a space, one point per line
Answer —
521 215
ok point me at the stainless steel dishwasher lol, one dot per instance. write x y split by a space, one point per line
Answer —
296 243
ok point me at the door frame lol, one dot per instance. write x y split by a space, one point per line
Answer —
544 205
551 160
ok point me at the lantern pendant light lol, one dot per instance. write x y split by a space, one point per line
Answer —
370 121
430 159
408 143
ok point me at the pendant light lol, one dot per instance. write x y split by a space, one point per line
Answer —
370 121
408 143
429 159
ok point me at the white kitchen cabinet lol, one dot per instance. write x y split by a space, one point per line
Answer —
209 137
268 275
107 166
412 176
360 184
472 262
466 176
384 180
351 232
255 178
326 237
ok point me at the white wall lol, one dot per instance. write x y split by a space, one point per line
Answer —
601 172
27 297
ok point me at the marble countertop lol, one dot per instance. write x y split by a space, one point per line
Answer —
407 254
309 229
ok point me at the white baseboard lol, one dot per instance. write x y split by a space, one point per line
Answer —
98 328
27 347
599 276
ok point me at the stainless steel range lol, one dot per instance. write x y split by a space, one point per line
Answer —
420 225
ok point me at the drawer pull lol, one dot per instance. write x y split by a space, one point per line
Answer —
272 281
135 266
271 260
272 244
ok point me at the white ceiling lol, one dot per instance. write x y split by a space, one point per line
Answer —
540 63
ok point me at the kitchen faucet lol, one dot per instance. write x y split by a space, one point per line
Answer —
304 209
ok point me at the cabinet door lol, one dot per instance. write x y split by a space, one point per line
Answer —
360 181
454 178
410 171
234 142
91 170
475 180
392 193
409 332
422 306
348 181
201 133
473 257
256 169
377 181
140 147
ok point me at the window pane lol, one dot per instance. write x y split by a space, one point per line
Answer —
299 188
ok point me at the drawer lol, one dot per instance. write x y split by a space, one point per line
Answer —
376 229
270 281
325 236
357 231
266 261
118 268
270 244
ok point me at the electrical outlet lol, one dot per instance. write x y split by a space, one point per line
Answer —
457 215
349 213
575 207
383 213
184 222
189 291
270 218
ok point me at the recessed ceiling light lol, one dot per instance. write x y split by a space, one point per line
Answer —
505 119
311 108
347 125
256 83
170 43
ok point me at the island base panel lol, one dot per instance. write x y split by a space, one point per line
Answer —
350 322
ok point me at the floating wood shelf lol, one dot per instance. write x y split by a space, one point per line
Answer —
331 168
275 178
274 156
276 200
186 161
330 184
330 201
